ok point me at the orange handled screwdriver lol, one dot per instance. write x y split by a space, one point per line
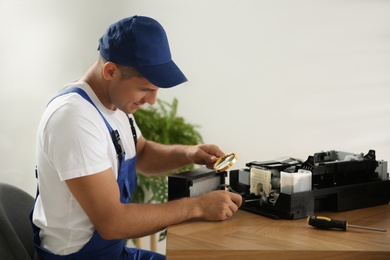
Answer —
328 223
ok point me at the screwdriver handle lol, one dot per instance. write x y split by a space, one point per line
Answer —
327 223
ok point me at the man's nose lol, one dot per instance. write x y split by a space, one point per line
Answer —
151 97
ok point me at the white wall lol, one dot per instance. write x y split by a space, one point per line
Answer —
266 78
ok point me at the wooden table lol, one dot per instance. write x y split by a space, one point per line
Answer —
250 236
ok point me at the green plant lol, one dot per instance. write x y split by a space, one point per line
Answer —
161 124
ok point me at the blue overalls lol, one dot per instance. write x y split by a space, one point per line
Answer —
98 248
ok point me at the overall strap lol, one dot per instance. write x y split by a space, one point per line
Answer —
114 133
85 96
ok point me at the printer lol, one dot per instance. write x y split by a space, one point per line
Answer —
291 188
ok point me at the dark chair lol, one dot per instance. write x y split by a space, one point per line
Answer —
15 228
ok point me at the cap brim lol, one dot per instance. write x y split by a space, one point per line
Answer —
165 75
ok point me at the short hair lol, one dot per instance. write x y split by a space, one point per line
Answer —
126 71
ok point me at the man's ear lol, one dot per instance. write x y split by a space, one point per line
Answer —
110 71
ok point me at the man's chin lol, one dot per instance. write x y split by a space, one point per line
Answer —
130 111
133 109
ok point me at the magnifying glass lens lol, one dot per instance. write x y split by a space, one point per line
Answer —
225 162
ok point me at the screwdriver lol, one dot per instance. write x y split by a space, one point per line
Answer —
244 201
328 223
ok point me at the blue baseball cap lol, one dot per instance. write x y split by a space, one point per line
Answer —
141 42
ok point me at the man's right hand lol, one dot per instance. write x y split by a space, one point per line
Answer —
217 205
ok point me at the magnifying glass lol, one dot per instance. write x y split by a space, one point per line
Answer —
225 162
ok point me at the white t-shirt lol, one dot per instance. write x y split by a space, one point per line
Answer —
73 141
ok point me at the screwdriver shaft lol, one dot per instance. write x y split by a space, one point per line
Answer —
252 200
369 228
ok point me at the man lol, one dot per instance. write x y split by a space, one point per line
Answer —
88 150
